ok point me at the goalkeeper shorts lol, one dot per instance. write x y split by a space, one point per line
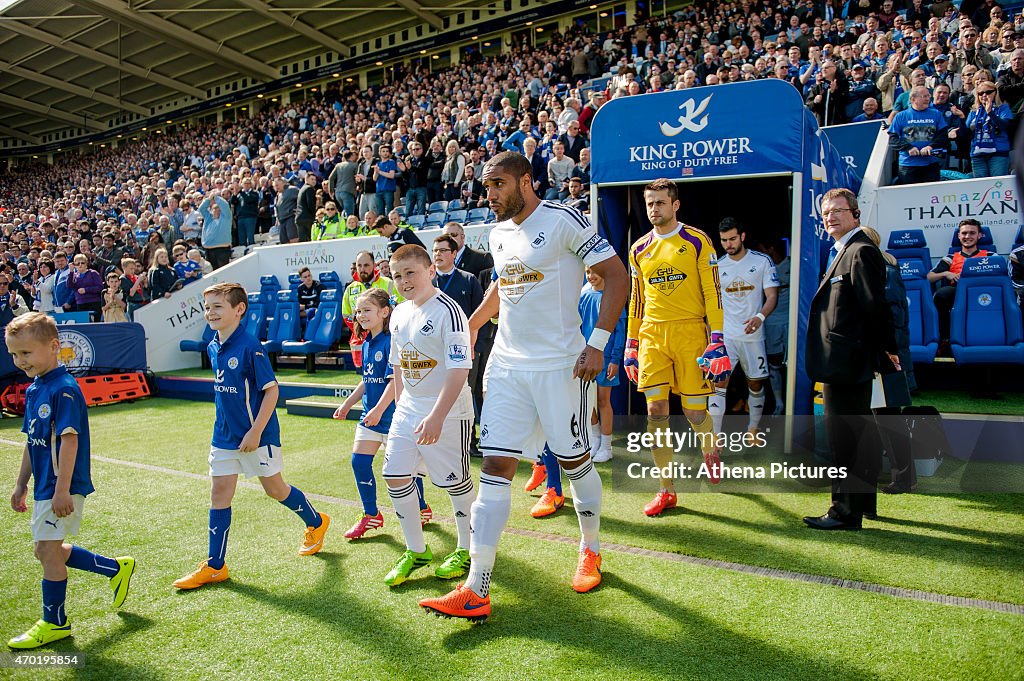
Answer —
668 361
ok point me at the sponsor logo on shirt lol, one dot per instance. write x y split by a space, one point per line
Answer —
738 288
539 241
416 366
218 381
517 279
666 278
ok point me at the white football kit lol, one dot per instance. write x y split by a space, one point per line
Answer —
426 342
743 285
532 396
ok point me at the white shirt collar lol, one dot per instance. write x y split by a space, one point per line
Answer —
679 227
845 239
444 274
459 253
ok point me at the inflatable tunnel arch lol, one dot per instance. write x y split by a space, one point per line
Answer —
751 150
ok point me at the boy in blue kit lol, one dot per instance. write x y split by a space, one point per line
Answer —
187 270
55 416
246 435
590 304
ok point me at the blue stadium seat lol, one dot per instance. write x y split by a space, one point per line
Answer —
285 325
293 281
269 286
198 345
985 242
922 317
491 217
416 221
985 324
330 280
910 244
255 320
477 216
321 332
456 216
438 207
434 220
401 210
456 204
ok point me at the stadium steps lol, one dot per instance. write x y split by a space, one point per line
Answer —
320 406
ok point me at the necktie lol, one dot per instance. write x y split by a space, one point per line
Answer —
832 253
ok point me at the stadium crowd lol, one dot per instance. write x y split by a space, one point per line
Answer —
347 162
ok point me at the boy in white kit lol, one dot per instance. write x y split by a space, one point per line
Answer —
750 289
433 419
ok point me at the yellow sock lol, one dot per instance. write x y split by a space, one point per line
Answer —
707 432
662 455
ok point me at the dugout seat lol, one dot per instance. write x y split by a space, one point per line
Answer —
269 286
922 317
285 324
330 280
255 320
985 324
910 244
199 346
477 216
294 280
985 242
321 332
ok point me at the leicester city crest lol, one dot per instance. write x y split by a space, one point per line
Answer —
77 352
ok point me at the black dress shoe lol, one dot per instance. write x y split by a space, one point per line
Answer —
871 516
897 488
827 522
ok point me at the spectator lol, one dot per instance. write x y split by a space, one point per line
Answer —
341 183
305 208
435 159
919 135
87 285
396 237
414 169
133 286
466 258
1011 82
62 295
894 82
186 270
11 304
917 79
453 171
574 141
190 226
384 173
473 193
989 124
284 210
366 276
46 278
970 52
114 305
194 255
946 274
216 235
163 280
870 111
539 167
575 197
860 88
109 255
247 214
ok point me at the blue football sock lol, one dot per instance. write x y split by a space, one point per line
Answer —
220 525
553 469
298 502
81 559
362 466
419 490
54 594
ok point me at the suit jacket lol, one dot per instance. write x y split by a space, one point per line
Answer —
850 326
474 261
463 288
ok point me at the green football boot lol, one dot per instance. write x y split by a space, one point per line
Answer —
406 564
455 565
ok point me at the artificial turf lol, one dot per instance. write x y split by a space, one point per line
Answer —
283 615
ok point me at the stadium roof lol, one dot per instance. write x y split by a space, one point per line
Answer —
77 64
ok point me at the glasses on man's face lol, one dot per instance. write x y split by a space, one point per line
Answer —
442 250
835 211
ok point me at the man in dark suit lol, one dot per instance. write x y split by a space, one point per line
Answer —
462 287
467 259
850 336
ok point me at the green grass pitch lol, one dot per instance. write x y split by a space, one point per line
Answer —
286 616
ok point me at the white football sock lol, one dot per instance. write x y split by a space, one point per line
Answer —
407 508
716 407
585 484
489 514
